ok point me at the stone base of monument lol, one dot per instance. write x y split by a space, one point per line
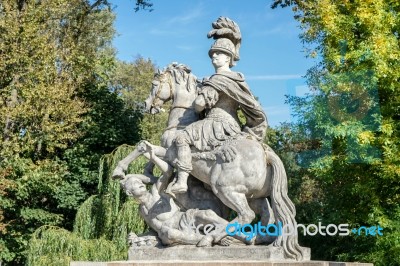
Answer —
215 256
192 253
238 263
219 263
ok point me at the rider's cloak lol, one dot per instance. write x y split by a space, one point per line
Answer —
234 85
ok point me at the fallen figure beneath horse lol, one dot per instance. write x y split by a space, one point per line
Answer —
172 224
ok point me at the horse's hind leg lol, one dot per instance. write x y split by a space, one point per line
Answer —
262 207
224 187
237 202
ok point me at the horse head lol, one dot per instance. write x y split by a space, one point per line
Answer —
176 83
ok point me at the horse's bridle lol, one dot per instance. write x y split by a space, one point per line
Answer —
157 94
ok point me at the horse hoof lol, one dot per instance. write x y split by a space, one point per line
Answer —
176 189
118 173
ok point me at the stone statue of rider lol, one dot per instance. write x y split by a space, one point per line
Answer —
221 96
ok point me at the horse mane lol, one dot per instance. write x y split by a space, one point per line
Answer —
182 73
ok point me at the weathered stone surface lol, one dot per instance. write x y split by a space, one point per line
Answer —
241 263
220 263
89 263
191 253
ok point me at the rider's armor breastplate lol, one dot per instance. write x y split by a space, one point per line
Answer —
219 114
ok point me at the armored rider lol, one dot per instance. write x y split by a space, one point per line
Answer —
222 95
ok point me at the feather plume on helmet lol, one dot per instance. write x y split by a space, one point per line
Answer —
227 36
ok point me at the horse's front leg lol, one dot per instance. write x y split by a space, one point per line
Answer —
141 149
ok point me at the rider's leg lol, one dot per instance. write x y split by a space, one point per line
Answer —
183 162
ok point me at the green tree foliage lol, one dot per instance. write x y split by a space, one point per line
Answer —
104 220
41 73
133 82
353 116
116 115
306 192
58 114
143 4
101 227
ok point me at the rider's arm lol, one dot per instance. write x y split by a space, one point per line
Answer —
207 98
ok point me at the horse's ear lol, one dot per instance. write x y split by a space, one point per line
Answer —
158 71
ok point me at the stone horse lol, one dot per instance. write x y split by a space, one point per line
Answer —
242 173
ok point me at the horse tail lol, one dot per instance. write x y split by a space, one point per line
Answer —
283 208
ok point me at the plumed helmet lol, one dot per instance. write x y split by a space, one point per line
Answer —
226 46
228 38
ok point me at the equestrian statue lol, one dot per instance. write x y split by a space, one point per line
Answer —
206 150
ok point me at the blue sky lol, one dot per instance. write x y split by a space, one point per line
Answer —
272 57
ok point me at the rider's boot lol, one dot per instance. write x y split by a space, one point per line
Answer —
183 163
180 186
